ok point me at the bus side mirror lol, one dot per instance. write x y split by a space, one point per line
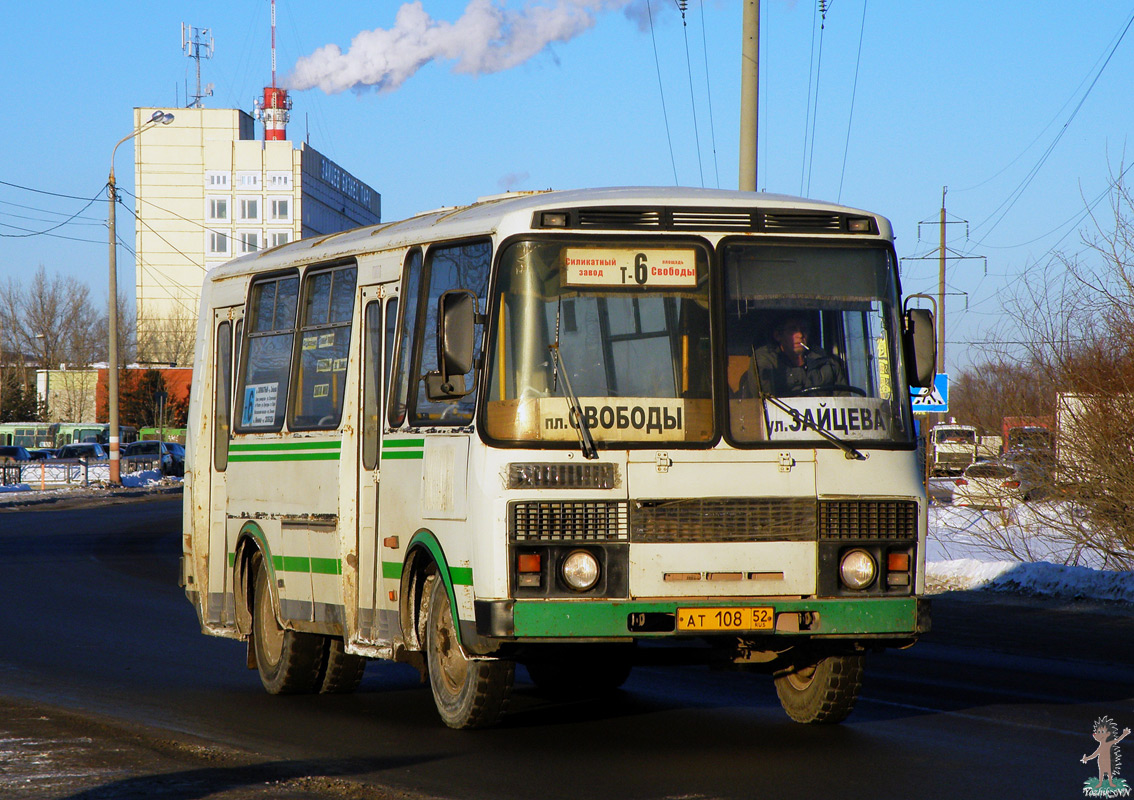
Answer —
920 343
456 337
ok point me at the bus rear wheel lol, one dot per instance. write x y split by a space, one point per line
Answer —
289 662
344 670
468 692
823 691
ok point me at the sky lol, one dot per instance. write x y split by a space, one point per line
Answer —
1021 110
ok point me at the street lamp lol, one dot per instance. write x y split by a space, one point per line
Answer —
112 316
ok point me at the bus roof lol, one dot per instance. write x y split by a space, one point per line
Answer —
639 209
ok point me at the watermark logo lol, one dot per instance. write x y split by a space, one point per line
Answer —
1108 756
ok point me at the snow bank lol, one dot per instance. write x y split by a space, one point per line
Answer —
1018 551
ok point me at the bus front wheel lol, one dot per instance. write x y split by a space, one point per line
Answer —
468 692
823 691
289 662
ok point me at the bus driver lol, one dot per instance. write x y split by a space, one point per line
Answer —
788 366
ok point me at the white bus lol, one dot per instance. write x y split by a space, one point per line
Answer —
551 430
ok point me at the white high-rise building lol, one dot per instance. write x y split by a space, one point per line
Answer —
209 191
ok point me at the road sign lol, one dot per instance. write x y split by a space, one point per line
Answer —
932 399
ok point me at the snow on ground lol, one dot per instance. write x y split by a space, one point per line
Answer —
1019 550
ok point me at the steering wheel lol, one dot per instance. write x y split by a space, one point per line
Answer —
832 388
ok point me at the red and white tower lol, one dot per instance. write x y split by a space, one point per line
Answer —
273 109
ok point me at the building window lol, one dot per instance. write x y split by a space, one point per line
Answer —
250 208
280 209
248 180
215 179
218 209
276 238
249 241
279 180
218 243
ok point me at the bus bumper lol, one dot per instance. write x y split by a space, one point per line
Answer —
842 618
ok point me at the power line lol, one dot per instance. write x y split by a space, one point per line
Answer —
709 95
661 91
854 92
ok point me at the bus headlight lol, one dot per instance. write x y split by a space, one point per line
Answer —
580 570
857 569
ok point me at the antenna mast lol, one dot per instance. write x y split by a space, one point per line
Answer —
274 107
197 43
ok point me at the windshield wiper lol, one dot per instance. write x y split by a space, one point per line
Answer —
804 422
585 438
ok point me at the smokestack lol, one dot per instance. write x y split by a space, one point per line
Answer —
274 107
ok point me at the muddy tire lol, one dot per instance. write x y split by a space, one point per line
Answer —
823 692
468 692
344 670
289 662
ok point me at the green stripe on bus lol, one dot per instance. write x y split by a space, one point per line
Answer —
325 456
460 576
607 618
326 566
403 442
404 455
291 563
289 445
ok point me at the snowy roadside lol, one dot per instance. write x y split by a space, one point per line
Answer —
1016 552
133 484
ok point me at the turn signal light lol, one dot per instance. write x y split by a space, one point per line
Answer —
528 562
898 562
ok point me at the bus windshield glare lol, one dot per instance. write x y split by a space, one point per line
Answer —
631 322
810 340
811 334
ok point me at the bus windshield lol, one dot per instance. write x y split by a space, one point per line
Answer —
811 334
630 320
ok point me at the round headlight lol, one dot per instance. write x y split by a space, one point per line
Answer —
857 569
580 570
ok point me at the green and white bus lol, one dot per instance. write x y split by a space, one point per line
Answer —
537 430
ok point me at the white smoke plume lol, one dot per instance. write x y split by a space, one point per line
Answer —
487 38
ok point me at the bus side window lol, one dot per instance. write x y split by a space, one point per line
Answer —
399 391
222 395
262 389
372 385
320 375
391 332
463 266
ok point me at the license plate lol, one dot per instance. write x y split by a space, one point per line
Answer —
726 619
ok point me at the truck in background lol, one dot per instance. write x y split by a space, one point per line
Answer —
954 448
1028 433
989 447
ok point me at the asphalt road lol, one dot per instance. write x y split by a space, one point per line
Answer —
997 702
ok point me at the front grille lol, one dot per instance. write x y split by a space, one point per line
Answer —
724 520
868 519
710 220
540 521
619 218
800 222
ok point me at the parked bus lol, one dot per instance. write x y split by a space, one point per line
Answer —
539 430
28 434
99 432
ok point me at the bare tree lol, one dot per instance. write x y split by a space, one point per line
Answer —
169 340
1075 315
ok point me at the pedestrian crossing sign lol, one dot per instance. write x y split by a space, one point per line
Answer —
932 399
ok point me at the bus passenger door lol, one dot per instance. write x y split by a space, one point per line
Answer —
377 620
227 328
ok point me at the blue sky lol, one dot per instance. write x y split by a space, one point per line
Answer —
1007 104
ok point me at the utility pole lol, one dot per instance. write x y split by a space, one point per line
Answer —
941 291
749 94
943 254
